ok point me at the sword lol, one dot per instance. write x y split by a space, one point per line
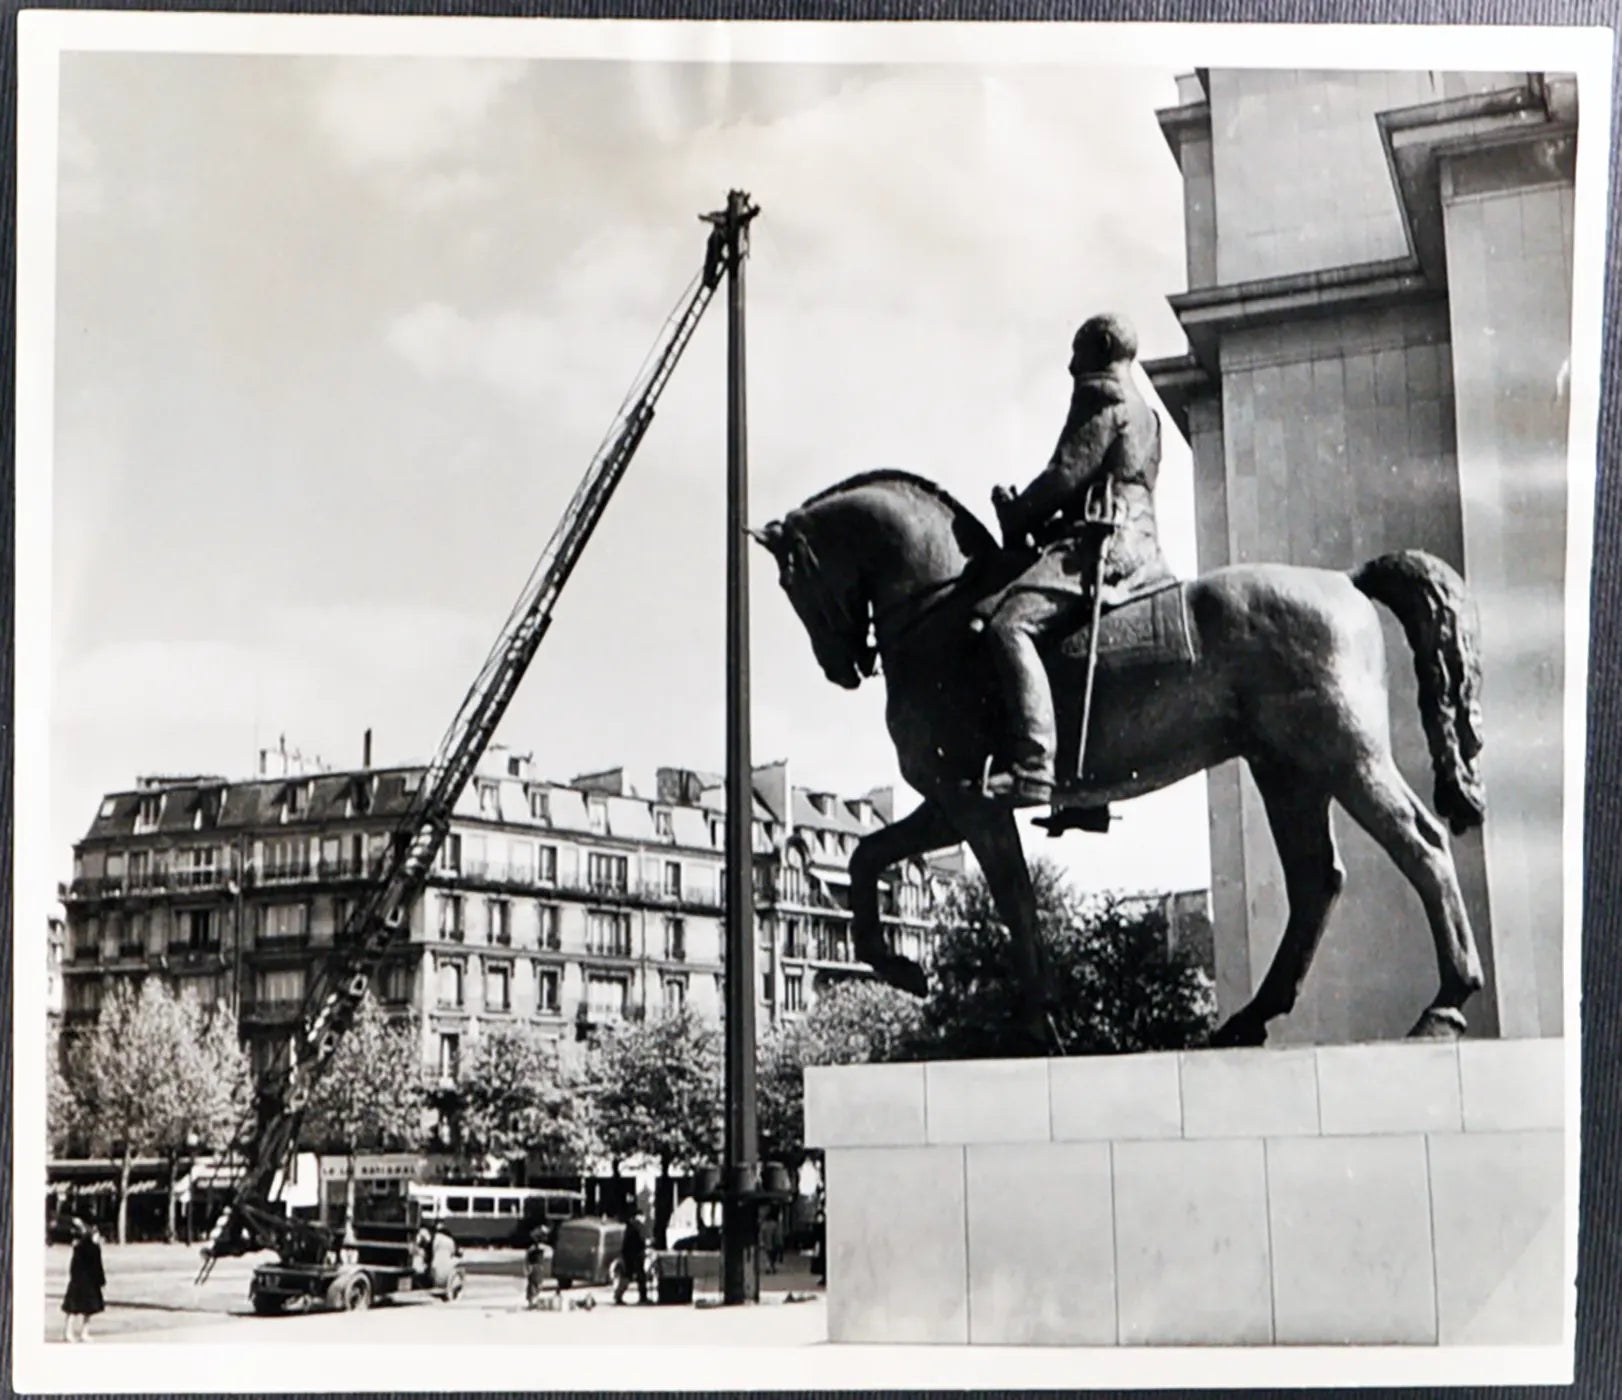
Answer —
1103 516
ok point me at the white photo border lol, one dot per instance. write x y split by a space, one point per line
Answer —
153 1367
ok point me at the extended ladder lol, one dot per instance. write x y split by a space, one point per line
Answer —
339 985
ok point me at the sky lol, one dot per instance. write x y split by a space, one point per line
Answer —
337 337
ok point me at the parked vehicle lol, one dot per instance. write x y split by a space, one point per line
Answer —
496 1215
587 1251
378 1259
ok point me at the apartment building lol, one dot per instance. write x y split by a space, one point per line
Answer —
563 905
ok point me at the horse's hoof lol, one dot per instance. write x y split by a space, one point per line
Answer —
1238 1032
1440 1023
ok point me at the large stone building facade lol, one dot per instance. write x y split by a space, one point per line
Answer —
1378 319
560 905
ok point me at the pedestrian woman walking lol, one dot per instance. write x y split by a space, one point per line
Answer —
86 1279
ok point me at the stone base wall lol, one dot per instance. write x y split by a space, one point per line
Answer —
1402 1193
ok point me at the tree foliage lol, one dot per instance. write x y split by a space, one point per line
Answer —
1114 983
657 1088
159 1074
372 1094
62 1111
518 1097
853 1022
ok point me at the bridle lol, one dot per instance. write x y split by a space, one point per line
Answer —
833 613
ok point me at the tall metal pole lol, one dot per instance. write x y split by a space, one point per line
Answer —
740 1277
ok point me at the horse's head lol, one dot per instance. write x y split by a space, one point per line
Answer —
856 559
826 591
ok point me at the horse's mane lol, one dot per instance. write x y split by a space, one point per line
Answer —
972 534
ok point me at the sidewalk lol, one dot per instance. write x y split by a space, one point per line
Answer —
771 1323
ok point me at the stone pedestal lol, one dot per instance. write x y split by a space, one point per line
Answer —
1400 1193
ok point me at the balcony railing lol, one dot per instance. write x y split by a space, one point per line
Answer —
272 1010
147 882
602 1015
275 942
608 947
511 876
291 872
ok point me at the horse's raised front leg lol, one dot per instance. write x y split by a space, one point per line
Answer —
994 839
1381 801
921 831
1298 812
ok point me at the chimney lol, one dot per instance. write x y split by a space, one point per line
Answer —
366 750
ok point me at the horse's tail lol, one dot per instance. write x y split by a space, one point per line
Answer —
1436 612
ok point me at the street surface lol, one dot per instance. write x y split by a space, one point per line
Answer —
151 1297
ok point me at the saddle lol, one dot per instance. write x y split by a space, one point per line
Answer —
1137 641
1151 628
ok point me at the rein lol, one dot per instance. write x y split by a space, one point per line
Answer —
936 595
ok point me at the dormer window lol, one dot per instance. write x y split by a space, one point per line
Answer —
489 800
540 805
148 814
295 801
108 805
597 815
663 826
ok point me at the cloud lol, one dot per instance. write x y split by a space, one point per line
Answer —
409 112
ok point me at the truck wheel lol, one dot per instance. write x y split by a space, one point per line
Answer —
265 1304
356 1295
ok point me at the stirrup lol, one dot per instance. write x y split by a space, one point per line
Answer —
1063 819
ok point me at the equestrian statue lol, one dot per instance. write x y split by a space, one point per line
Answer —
1108 678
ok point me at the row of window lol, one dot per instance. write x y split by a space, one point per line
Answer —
608 994
488 795
608 931
357 854
147 934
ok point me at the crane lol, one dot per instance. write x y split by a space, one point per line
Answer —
340 982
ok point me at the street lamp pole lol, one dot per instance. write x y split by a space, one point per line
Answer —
740 1277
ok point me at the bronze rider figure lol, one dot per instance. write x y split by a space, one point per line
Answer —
1104 466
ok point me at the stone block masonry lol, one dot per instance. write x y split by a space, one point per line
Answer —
1381 1194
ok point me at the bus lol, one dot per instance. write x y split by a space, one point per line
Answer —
497 1215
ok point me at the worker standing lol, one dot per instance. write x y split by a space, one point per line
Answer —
633 1260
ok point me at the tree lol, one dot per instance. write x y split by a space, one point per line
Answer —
372 1094
859 1021
519 1098
656 1087
61 1102
212 1092
1114 983
127 1078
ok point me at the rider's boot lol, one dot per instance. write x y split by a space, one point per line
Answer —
1028 780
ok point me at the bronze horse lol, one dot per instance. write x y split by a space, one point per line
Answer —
1289 673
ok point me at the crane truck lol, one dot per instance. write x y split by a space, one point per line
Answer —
349 1268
